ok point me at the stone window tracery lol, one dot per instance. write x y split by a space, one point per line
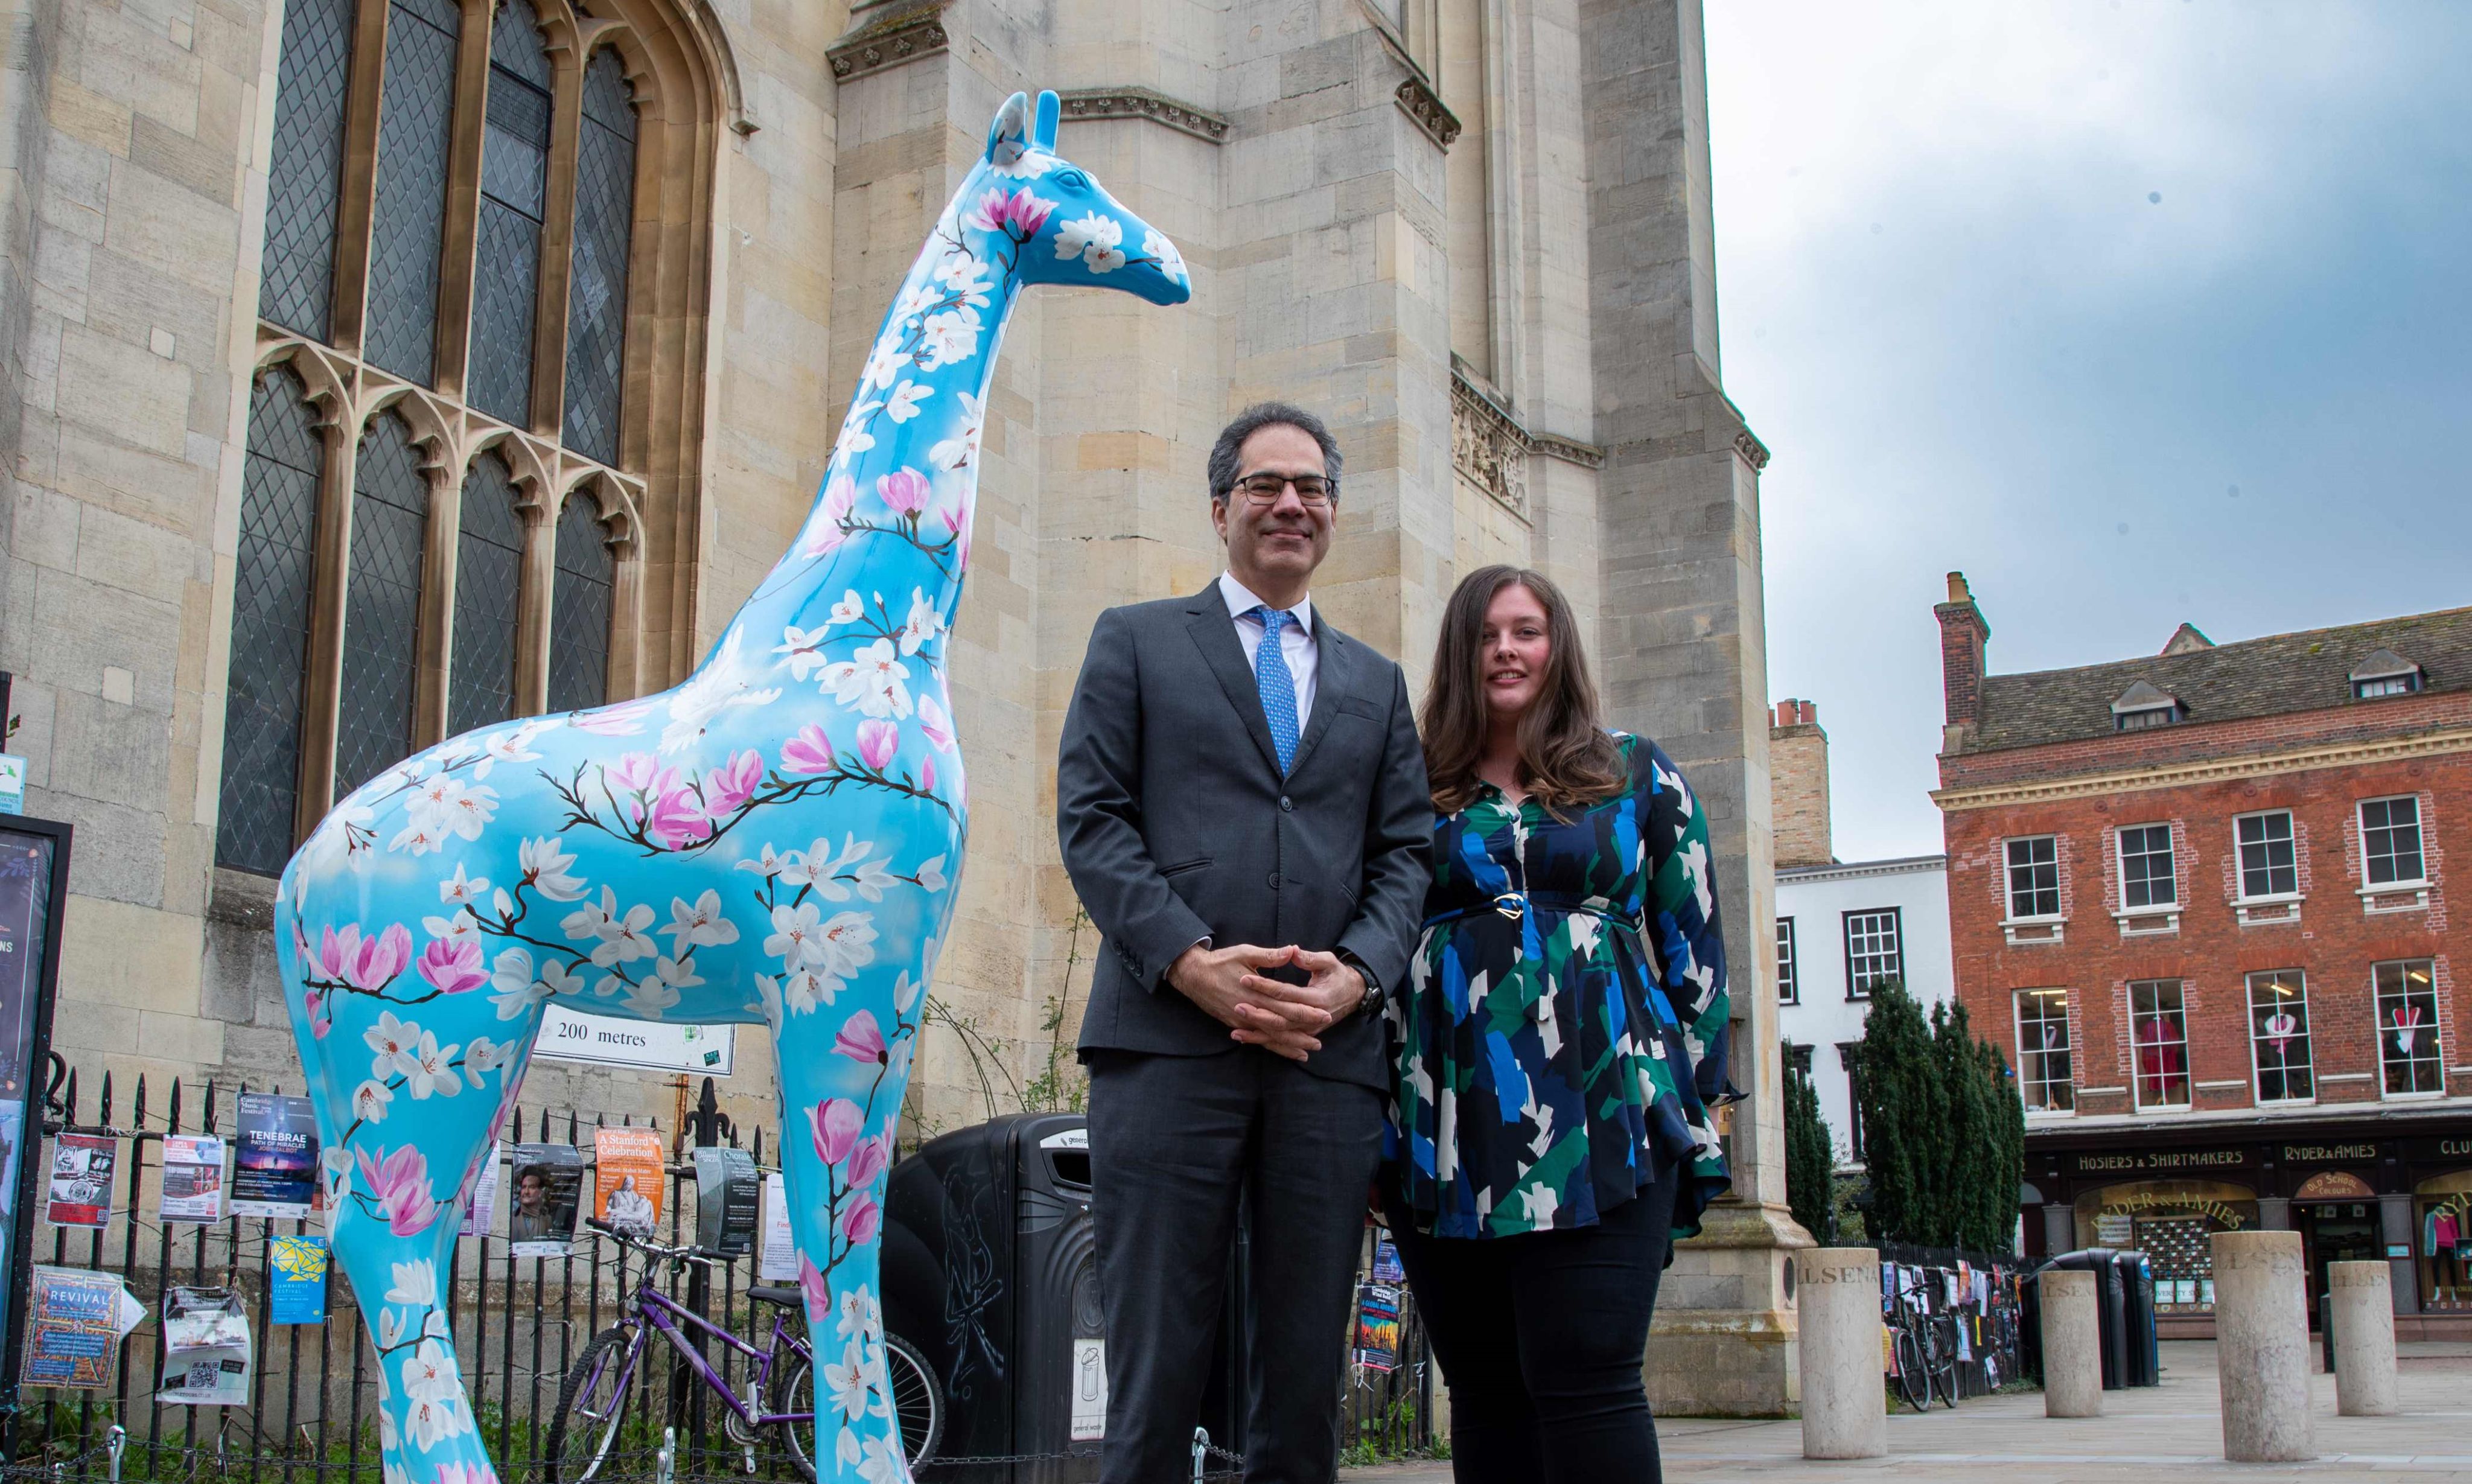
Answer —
437 530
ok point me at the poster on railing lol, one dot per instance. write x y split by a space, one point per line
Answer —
778 1262
74 1323
548 1186
1377 1326
193 1178
296 1281
81 1166
626 1180
726 1188
205 1349
275 1171
484 1196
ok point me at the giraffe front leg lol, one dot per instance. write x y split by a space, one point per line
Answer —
843 1069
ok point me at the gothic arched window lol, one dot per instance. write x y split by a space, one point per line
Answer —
269 650
452 212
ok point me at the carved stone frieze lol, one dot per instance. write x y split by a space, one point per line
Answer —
1754 452
1488 447
1570 450
897 33
1141 102
1422 103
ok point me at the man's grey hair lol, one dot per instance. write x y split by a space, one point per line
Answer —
1224 467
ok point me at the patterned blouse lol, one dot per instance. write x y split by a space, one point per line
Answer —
1562 1035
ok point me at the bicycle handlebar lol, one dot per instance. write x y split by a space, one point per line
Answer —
625 1238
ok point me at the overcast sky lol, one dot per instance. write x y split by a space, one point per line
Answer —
2135 311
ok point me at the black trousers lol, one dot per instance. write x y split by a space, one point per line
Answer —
1540 1338
1174 1143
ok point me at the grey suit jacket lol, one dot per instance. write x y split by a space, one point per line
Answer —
1176 826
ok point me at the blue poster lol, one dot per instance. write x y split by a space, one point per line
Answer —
296 1281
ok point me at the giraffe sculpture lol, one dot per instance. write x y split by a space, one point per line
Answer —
774 840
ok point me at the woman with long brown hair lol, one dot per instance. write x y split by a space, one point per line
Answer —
1556 1050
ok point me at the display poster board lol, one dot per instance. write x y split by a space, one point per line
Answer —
34 894
74 1323
605 1040
296 1283
193 1178
544 1189
485 1195
1377 1326
205 1349
778 1260
81 1170
275 1171
628 1186
727 1198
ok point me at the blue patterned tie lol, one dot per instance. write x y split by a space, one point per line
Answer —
1277 686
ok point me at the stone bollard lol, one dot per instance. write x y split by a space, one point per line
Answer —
2072 1345
2361 1312
1844 1405
2262 1347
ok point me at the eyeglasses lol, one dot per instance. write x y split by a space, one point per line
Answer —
1314 490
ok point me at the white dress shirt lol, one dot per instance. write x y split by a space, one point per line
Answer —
1295 641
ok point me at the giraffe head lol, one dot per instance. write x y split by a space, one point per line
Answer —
1052 218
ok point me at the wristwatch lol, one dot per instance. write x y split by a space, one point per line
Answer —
1372 999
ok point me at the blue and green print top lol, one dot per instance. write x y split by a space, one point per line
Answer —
1562 1035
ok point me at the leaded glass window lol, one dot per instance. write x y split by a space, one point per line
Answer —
270 641
514 187
579 640
305 186
488 574
382 604
416 123
604 211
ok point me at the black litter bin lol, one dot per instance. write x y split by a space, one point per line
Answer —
2110 1305
990 1269
2145 1359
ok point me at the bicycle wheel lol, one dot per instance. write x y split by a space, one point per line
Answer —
1942 1355
1913 1375
591 1410
917 1405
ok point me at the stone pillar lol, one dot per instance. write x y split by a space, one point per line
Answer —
2361 1309
1683 647
2262 1342
2072 1345
1844 1408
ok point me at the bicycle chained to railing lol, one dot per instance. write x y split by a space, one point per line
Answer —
1926 1348
778 1396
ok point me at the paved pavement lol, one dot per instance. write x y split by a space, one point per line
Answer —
2175 1426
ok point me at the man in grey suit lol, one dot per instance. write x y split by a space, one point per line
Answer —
1242 805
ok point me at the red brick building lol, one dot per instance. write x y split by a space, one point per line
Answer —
2201 901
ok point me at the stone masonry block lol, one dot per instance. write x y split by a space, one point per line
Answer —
124 391
119 953
119 852
184 1040
101 751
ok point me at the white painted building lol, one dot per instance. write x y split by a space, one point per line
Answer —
1840 925
1839 928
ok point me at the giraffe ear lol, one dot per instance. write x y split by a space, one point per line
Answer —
1010 134
1043 135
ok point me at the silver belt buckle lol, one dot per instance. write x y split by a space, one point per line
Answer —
1512 904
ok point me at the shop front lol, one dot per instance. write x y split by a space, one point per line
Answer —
2355 1192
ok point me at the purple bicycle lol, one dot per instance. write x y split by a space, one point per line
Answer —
593 1414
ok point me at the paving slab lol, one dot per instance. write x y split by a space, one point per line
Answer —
2177 1426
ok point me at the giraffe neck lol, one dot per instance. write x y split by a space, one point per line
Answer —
891 519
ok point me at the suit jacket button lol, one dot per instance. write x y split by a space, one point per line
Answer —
1274 881
1287 805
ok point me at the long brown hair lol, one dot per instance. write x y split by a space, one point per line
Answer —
1566 759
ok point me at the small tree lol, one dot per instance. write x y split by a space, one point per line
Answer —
2009 1123
1809 1159
1905 1116
1971 1176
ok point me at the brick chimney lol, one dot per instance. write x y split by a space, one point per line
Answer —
1964 634
1799 784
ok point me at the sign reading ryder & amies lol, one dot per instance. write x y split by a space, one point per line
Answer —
567 1036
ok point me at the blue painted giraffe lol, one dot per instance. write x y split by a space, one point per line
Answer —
774 840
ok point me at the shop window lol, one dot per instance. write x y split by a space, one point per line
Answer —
2268 867
2034 877
2173 1223
2442 1240
2278 1036
1787 992
2408 1047
2158 1025
2043 1051
2146 875
2391 842
1874 949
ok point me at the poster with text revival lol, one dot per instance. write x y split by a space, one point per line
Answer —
74 1322
275 1171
